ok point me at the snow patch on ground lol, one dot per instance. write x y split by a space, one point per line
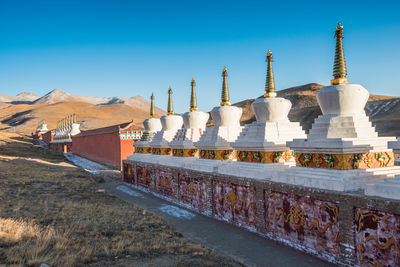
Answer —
91 166
176 212
378 108
128 191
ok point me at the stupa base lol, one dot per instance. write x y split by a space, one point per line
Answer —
216 154
253 170
205 165
336 180
266 156
185 152
143 157
142 150
161 151
346 161
388 188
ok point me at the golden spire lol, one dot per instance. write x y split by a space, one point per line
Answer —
170 108
269 81
152 110
193 101
339 66
225 91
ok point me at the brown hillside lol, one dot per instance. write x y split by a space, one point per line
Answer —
25 118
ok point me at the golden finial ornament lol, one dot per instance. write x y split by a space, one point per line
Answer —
170 108
339 65
152 110
193 100
269 80
225 91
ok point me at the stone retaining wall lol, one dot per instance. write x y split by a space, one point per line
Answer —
338 227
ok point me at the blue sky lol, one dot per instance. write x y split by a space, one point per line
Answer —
128 48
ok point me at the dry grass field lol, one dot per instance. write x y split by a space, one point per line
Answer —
53 212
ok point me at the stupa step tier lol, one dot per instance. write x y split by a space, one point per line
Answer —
182 144
269 136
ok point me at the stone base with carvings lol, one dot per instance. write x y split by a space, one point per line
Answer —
217 154
143 150
266 157
346 161
161 151
181 152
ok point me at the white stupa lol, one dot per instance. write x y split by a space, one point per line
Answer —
42 128
194 126
152 126
342 150
66 128
264 140
170 125
215 143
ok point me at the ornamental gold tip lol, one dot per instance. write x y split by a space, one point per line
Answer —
270 94
225 90
269 80
193 99
339 65
152 109
170 108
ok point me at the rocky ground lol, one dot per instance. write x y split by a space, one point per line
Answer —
55 213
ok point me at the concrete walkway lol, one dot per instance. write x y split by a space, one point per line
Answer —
246 247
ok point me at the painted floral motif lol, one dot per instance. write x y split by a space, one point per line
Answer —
143 150
162 151
165 183
193 191
377 238
218 154
235 203
266 157
185 152
307 222
129 172
177 152
346 161
143 176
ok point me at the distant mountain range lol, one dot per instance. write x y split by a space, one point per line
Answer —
24 97
24 111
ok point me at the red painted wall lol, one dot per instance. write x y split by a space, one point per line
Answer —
126 149
64 147
103 148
